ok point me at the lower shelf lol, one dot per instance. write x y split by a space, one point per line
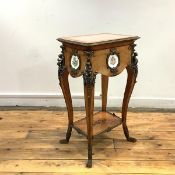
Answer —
102 122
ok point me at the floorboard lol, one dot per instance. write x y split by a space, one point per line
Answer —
29 145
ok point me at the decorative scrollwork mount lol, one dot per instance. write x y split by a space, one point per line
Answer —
88 75
60 63
134 60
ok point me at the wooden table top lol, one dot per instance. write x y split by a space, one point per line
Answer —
96 39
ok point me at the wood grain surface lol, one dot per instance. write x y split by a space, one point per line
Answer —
29 145
96 39
99 64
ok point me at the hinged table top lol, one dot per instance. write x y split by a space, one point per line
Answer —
97 39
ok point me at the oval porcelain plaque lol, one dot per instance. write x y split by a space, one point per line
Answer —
75 62
113 61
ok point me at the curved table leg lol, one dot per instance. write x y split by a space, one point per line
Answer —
131 80
104 87
89 82
64 83
89 105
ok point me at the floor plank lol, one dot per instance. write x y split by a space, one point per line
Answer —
81 153
82 143
77 173
29 145
99 166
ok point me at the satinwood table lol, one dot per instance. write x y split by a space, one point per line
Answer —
87 55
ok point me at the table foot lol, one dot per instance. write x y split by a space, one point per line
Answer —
89 164
64 141
126 132
131 139
68 135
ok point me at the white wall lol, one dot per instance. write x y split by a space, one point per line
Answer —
28 48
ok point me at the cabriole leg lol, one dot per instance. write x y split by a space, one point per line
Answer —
89 105
132 71
64 83
89 81
104 87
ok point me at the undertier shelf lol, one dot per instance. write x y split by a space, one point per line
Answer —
102 122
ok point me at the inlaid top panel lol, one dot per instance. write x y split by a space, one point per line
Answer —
96 39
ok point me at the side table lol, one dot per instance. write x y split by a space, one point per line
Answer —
88 55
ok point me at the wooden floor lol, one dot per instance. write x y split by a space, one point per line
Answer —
29 145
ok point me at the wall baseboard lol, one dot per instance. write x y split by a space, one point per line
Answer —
56 99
